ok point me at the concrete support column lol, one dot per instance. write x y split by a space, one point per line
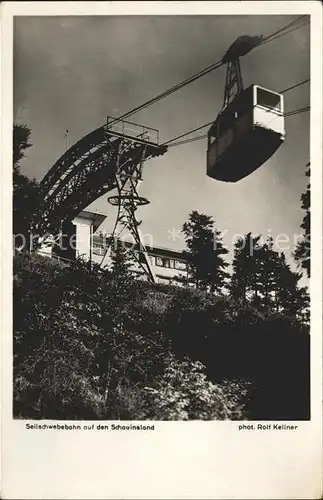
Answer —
84 236
86 224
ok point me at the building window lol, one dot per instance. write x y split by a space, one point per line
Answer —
98 250
268 99
159 261
140 257
170 263
180 265
152 260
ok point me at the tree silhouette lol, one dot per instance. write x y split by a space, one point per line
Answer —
244 278
121 262
303 248
268 267
262 278
204 254
21 137
289 297
25 191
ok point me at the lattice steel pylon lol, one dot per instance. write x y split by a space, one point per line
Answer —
233 81
132 152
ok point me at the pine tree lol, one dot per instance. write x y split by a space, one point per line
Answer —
268 268
290 298
25 191
303 249
205 251
262 277
121 262
244 279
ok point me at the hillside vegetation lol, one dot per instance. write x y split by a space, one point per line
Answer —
99 345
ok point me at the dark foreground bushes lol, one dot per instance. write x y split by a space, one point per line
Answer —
88 345
236 342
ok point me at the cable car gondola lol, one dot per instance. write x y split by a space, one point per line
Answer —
250 126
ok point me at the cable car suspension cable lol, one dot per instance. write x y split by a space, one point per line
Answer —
297 111
210 123
168 92
212 67
204 136
295 86
296 24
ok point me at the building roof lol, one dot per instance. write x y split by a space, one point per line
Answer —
95 217
152 250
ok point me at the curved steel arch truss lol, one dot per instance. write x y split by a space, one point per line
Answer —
88 170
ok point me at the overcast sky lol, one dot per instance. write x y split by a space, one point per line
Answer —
71 72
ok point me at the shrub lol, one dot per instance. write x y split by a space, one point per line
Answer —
183 392
89 346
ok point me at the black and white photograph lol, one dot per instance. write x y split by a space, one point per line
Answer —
161 218
161 252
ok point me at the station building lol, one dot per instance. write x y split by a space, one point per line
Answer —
84 239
